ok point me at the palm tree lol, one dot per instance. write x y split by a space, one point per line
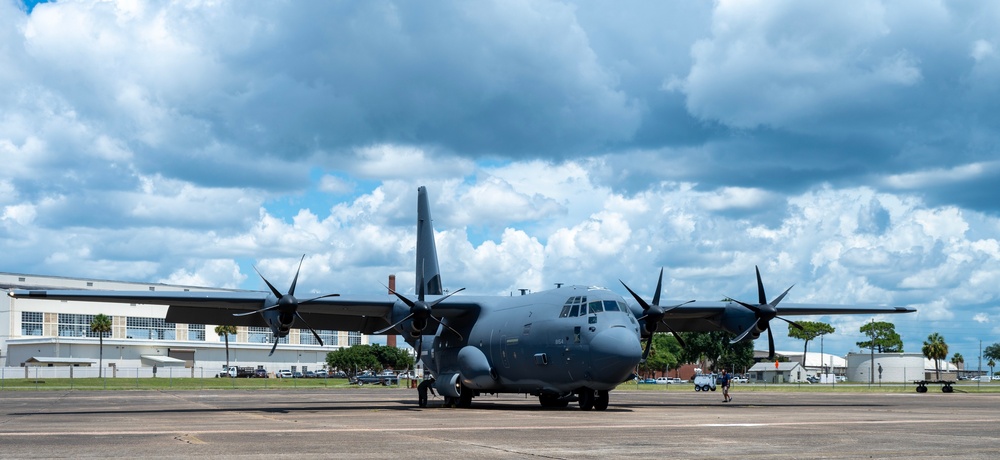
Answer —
991 363
935 348
958 360
225 331
100 325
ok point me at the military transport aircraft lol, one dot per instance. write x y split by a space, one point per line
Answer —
569 344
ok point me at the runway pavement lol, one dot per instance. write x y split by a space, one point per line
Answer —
385 423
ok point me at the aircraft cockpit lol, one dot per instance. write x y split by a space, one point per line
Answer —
579 306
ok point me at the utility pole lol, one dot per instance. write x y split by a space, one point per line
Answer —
871 375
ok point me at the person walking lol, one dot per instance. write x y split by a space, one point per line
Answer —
724 379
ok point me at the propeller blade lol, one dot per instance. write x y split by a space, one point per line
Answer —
315 334
445 297
770 343
760 288
752 308
675 306
642 303
420 344
273 347
793 323
745 332
270 286
272 307
449 327
677 336
303 302
402 298
649 344
774 303
291 290
380 331
659 285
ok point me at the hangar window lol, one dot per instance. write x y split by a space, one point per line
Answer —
306 337
150 328
196 332
353 338
74 325
31 323
257 334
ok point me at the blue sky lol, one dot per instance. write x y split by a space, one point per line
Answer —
849 151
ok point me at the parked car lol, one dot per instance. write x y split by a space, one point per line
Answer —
309 374
663 380
812 379
260 373
647 381
296 375
283 374
740 380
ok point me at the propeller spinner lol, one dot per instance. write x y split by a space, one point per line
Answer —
764 311
287 308
420 312
653 314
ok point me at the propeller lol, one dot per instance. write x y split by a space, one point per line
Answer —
420 312
653 314
287 305
765 312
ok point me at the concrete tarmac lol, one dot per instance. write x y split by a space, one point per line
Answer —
386 423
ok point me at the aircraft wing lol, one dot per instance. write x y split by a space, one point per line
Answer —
707 316
347 313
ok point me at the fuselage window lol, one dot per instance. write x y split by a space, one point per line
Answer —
610 305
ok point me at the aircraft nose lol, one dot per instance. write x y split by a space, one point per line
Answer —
614 354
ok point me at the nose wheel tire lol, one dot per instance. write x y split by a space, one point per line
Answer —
593 399
601 402
587 399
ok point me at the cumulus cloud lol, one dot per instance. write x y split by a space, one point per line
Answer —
849 151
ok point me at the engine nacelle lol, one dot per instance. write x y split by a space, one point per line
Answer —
448 385
274 321
737 319
475 369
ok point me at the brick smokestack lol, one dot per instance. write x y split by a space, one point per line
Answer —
391 339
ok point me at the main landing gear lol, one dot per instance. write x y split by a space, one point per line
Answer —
587 399
593 399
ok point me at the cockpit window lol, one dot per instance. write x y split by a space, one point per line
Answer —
610 305
574 306
595 306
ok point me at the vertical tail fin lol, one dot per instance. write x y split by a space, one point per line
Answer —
427 271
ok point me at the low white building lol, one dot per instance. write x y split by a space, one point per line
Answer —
36 332
781 372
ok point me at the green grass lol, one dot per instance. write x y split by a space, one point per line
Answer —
175 383
161 383
821 388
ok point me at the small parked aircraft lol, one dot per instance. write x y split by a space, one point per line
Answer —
570 344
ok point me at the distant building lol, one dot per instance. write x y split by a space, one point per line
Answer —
896 368
781 372
36 332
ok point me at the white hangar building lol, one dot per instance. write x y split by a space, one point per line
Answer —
36 332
